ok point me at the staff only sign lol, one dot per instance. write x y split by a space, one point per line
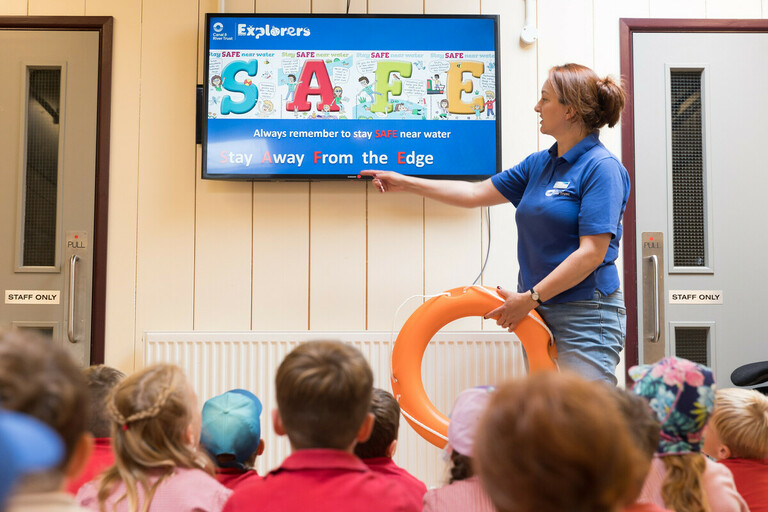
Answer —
32 296
695 296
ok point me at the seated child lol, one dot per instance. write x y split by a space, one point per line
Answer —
323 393
40 379
681 394
155 434
378 450
101 379
232 435
464 491
553 442
645 432
737 437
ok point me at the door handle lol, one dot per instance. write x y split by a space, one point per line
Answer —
72 283
655 264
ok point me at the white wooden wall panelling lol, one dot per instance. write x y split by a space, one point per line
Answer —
284 6
562 41
223 229
395 257
518 93
56 7
121 338
678 8
338 6
395 235
13 8
764 13
337 256
734 8
280 256
166 202
452 252
452 6
396 6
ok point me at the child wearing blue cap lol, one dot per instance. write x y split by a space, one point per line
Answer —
231 434
26 446
681 394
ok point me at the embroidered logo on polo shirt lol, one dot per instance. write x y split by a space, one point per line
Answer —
562 184
553 192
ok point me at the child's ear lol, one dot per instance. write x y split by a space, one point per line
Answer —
723 452
366 428
80 456
277 423
390 451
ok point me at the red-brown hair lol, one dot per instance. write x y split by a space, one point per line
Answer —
596 101
554 442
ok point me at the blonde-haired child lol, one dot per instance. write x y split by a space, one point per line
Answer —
737 436
155 432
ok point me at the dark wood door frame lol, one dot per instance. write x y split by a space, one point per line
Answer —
102 25
627 28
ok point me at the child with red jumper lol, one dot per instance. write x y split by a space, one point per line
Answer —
323 405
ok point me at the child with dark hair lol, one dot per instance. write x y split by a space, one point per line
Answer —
231 434
101 379
464 491
323 405
644 430
155 432
737 437
682 394
40 379
378 450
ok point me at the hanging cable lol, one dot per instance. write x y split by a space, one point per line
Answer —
488 249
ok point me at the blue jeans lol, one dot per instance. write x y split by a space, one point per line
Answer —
589 334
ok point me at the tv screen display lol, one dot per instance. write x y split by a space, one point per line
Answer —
292 97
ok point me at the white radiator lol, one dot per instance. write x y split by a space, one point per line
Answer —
218 361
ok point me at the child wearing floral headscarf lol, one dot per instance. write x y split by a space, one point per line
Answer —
681 394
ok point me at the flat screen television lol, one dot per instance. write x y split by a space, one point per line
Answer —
305 97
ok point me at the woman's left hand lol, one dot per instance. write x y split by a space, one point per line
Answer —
516 307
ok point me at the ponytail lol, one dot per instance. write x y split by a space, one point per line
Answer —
611 99
683 486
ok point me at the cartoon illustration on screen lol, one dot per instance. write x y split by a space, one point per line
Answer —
292 84
434 86
490 99
216 82
367 89
443 109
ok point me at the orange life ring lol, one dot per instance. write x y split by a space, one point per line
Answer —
423 324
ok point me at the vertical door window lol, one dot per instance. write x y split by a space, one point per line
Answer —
41 172
688 212
692 343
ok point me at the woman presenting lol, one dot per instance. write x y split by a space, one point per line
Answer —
570 200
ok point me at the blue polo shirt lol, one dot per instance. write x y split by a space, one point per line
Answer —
559 199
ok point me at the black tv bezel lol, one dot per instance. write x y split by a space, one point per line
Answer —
342 177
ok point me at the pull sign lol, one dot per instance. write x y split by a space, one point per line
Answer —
76 240
695 296
37 297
